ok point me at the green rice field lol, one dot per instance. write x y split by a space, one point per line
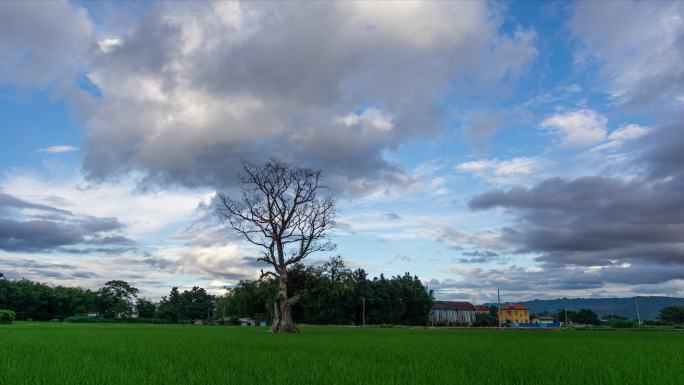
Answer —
62 354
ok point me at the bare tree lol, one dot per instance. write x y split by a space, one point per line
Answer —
287 212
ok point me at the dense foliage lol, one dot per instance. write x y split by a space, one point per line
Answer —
582 316
114 300
488 319
6 316
334 294
672 315
145 308
194 304
40 302
622 324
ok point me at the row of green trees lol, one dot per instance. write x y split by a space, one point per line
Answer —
41 302
333 293
115 300
670 315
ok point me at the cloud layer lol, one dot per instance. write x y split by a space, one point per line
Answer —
192 89
30 227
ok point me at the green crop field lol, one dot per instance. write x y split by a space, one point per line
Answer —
62 354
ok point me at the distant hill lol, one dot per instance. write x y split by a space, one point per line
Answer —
648 306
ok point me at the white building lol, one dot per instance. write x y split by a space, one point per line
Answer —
452 313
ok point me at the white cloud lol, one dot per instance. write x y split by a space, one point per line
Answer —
621 135
578 128
628 132
143 213
228 261
513 171
106 45
59 149
373 118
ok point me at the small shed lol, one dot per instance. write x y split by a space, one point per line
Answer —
247 321
543 320
452 313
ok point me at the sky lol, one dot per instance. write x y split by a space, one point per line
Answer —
531 147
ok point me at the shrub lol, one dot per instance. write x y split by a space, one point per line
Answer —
144 320
6 316
83 319
623 324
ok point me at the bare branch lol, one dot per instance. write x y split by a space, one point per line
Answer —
266 274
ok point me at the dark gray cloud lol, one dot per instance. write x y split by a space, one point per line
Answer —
594 220
84 274
479 256
31 227
96 250
11 202
50 54
632 230
663 156
32 264
19 268
392 216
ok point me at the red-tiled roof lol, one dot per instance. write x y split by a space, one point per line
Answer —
481 308
452 305
514 306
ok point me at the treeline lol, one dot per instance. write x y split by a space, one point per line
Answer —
331 293
40 302
669 315
334 294
115 300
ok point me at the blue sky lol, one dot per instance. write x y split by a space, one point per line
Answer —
525 146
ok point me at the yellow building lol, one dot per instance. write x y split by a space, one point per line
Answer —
515 313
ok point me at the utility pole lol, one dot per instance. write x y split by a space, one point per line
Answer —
363 312
636 304
498 300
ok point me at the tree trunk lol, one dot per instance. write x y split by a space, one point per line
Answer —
282 319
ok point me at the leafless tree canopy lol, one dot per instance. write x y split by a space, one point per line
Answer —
284 210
